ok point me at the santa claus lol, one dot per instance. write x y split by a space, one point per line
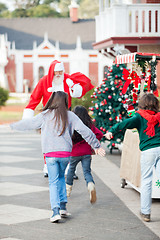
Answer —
76 85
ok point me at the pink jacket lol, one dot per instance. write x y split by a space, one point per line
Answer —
83 148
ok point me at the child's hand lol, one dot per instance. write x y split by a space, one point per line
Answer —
100 151
108 135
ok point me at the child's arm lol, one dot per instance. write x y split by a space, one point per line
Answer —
100 151
97 132
28 123
129 123
108 135
87 134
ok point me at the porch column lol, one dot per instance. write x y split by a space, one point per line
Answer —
100 6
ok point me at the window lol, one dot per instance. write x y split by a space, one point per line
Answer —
41 72
105 71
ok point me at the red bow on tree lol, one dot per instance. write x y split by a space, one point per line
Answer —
133 76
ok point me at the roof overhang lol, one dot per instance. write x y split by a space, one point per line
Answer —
132 57
110 42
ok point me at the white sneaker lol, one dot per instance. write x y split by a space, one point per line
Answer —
64 213
45 170
55 218
68 189
92 192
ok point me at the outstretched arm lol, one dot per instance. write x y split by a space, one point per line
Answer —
34 100
108 135
87 134
100 151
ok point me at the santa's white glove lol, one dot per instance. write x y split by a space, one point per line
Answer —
69 82
76 91
28 113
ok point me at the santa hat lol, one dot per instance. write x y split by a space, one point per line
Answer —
59 67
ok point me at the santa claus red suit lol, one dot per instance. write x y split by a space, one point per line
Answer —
76 85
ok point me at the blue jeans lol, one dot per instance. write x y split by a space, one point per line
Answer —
57 187
86 166
149 159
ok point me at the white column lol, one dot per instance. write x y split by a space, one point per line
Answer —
19 76
100 6
106 3
3 62
3 80
153 20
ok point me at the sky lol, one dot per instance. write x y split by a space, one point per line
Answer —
9 4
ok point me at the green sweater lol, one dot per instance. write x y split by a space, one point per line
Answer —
137 121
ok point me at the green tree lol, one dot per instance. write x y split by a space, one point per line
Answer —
63 5
85 101
42 11
26 3
6 14
108 106
50 1
19 12
3 7
4 95
88 8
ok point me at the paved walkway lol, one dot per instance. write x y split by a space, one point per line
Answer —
25 207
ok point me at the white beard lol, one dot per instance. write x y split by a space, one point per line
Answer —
58 80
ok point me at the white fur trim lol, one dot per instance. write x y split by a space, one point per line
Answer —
28 113
50 89
69 82
76 91
56 88
59 67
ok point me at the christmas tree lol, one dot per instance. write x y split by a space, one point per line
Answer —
109 103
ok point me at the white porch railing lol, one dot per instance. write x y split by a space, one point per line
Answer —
128 20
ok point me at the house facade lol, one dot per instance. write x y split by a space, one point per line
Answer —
127 26
29 45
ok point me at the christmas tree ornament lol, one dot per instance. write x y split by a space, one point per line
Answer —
105 101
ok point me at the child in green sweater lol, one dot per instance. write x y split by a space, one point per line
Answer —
147 122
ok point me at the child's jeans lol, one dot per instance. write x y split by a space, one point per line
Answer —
149 159
57 186
86 166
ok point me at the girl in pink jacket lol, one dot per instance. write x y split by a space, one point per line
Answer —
81 152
